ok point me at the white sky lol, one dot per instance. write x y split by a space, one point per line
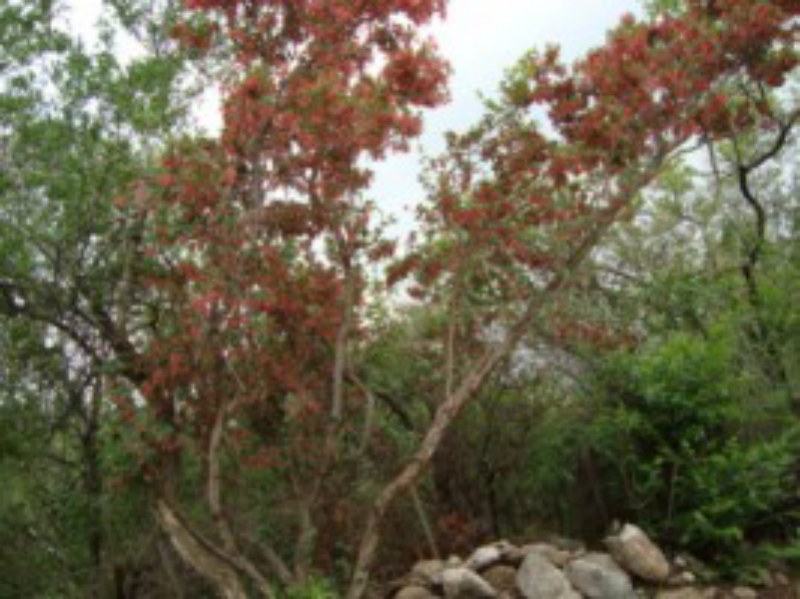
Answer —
481 39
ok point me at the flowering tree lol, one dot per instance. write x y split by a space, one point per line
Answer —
517 210
258 241
257 244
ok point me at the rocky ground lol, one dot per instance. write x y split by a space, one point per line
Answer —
630 567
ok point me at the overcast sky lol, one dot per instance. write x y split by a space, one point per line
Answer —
480 38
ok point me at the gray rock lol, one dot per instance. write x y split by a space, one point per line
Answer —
557 557
598 576
414 592
637 554
744 593
682 579
537 578
463 583
687 593
565 544
483 557
425 572
454 561
489 555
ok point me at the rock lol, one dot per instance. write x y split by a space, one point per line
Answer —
568 545
686 593
463 583
780 578
744 593
454 562
502 578
483 557
703 572
537 578
557 557
514 556
414 592
489 555
637 554
425 572
598 576
682 579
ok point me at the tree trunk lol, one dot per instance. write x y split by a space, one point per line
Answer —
93 487
206 561
214 499
411 472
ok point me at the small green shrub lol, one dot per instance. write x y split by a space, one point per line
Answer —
690 462
315 588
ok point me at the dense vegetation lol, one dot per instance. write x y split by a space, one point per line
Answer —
219 378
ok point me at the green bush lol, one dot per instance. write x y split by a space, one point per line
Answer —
316 588
693 457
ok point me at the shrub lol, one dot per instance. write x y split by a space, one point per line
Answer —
696 459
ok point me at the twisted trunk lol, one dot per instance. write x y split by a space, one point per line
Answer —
202 557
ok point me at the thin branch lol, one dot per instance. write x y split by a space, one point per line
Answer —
392 403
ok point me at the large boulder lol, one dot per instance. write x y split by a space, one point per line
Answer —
537 578
634 551
598 576
463 583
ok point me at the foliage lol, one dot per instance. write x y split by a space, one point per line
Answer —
203 369
518 244
696 475
318 588
77 125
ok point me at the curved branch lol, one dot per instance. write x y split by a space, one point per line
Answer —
204 558
744 172
394 406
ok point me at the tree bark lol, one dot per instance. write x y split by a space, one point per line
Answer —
411 472
93 483
207 562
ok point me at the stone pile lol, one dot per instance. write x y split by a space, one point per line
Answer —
631 568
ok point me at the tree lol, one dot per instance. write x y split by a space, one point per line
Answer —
516 213
76 127
258 244
231 340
